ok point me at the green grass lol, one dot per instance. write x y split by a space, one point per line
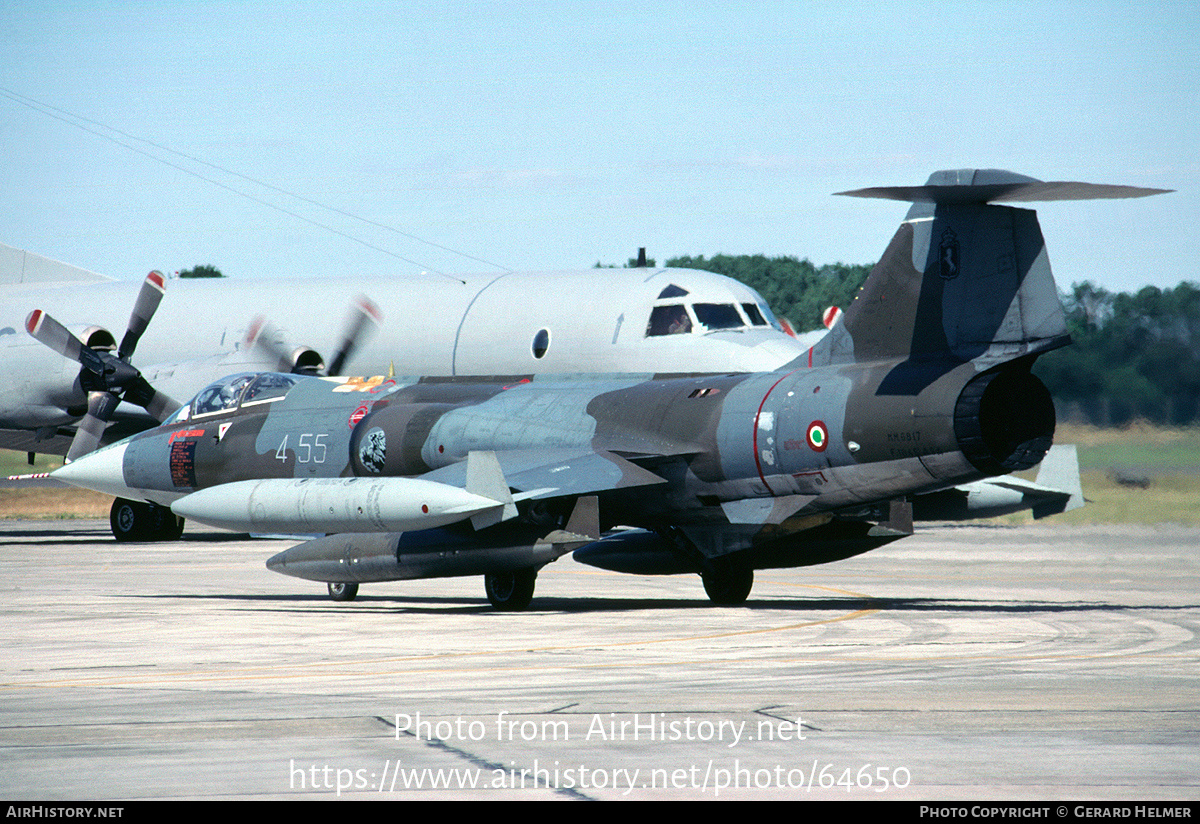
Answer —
46 503
1139 448
13 463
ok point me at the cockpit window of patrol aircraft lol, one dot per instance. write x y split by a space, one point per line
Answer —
756 317
669 320
718 316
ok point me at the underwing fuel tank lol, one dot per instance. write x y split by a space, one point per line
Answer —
329 505
433 553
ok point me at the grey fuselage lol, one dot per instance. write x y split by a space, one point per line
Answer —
731 460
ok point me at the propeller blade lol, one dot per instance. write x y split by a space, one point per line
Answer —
91 428
148 299
47 330
264 337
159 405
364 317
107 377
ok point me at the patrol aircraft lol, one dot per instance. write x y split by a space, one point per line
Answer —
924 386
643 320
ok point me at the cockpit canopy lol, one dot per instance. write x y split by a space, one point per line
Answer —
243 389
675 314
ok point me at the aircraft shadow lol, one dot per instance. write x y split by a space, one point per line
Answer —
585 604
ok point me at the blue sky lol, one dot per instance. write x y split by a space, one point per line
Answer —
555 135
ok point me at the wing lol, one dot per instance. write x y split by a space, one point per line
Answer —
541 474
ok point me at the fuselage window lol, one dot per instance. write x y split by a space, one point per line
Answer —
718 316
668 320
541 342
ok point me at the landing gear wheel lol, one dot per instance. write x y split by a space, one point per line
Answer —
165 525
510 591
130 520
343 592
140 521
728 583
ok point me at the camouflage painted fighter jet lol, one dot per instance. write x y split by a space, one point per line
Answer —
923 387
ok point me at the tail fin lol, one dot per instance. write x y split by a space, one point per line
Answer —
962 280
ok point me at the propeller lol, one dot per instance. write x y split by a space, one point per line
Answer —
107 378
364 317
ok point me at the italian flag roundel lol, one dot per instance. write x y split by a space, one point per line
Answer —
818 436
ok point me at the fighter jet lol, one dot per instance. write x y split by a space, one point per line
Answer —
924 386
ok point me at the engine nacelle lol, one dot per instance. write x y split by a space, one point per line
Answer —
97 337
306 361
1004 421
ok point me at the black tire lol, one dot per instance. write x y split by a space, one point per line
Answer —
165 525
728 583
130 520
139 521
343 592
510 591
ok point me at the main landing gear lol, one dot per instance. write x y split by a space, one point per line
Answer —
510 591
343 592
727 581
134 521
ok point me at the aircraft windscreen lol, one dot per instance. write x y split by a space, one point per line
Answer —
718 316
668 320
756 318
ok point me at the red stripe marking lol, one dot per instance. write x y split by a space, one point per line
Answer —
757 462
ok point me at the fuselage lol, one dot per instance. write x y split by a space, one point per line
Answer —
742 451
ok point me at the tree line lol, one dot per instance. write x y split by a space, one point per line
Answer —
1135 355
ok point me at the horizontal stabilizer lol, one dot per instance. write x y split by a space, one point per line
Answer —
998 186
964 279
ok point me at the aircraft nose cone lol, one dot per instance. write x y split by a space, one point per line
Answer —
276 563
103 471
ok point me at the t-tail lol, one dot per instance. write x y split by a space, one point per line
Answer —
963 279
953 316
